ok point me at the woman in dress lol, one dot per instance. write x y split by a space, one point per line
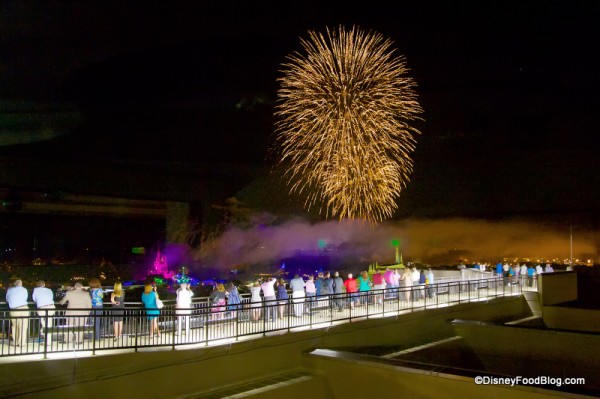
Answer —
183 308
282 296
407 279
256 300
218 300
149 299
117 298
97 295
233 299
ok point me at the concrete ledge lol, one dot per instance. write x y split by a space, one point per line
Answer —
205 368
557 287
353 375
514 350
568 318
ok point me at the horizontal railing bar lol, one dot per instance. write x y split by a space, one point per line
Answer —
48 330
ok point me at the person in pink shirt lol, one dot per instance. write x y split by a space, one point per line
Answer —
269 298
389 283
388 275
378 286
311 293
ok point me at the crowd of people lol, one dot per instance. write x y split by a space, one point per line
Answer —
512 274
84 307
270 298
302 293
80 305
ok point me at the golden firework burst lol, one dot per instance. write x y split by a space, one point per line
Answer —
342 123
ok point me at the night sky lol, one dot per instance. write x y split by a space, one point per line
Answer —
509 89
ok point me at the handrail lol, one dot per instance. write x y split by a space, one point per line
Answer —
207 322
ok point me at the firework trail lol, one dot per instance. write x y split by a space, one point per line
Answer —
342 125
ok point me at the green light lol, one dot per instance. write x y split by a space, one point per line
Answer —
138 250
395 242
322 243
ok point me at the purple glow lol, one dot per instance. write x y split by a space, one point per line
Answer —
161 266
429 241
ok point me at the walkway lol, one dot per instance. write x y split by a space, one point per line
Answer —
210 327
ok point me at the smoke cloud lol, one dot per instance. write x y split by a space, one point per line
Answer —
435 242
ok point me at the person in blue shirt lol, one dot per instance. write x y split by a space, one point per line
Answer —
152 312
97 303
511 275
319 284
530 274
499 268
282 297
327 284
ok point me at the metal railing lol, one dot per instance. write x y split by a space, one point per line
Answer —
49 331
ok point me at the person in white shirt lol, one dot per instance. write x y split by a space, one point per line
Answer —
523 273
538 269
430 282
44 301
16 297
183 306
415 277
407 279
297 285
395 278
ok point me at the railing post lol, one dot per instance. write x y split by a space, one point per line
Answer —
237 310
264 317
206 316
349 297
46 334
136 322
174 317
290 309
310 312
398 300
95 319
469 289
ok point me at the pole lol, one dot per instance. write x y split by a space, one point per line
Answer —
571 242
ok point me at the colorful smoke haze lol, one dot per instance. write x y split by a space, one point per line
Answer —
436 242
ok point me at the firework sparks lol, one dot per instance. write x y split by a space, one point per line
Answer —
343 117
